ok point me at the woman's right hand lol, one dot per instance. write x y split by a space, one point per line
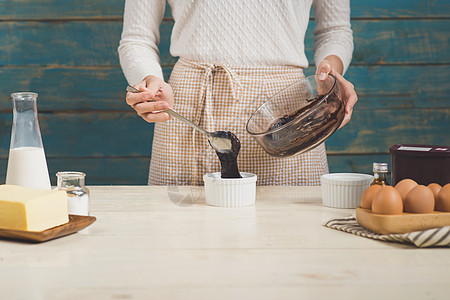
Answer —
152 88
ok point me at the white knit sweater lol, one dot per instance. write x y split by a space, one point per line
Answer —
236 32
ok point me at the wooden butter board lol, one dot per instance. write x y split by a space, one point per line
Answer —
404 223
76 223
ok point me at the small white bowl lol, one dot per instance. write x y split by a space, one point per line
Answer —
230 192
344 190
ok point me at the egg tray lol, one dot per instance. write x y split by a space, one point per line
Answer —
404 223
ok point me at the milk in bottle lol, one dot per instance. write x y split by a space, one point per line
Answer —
27 165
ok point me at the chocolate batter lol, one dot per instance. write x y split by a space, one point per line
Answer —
228 160
306 134
287 118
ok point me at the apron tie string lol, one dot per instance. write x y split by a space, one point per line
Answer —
207 82
236 87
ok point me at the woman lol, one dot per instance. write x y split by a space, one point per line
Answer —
233 55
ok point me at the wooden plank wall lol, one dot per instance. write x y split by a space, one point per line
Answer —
66 50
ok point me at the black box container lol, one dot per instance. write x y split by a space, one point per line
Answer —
422 163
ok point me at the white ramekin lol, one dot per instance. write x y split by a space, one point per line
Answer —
230 192
344 190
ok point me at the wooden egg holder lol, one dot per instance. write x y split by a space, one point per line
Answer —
404 223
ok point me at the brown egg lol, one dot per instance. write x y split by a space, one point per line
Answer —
435 188
443 199
404 186
419 200
387 201
367 196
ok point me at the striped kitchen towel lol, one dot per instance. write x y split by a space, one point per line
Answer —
436 237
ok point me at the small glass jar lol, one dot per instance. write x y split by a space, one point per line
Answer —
77 193
380 171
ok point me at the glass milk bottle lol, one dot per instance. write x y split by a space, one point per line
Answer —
27 165
77 193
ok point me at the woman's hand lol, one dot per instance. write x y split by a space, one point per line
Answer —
332 64
152 88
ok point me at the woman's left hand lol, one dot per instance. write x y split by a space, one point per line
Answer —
346 88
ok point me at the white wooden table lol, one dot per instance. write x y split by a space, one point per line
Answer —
166 243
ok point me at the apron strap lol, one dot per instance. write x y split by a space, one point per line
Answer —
236 87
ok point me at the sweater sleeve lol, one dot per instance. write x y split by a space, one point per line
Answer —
138 47
332 32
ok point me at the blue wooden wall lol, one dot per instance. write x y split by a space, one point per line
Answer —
66 50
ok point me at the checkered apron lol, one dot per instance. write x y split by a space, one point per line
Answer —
223 97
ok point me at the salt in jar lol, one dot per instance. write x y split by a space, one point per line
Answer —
77 194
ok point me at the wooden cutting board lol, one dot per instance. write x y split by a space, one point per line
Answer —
76 223
406 222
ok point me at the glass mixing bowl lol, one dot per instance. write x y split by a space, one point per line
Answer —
299 117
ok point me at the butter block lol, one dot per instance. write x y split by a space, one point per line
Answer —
23 208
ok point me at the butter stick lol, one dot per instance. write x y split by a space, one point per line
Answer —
23 208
